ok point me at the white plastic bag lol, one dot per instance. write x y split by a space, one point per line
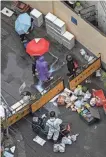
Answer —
93 102
78 91
90 59
78 103
86 57
66 140
73 98
87 96
82 52
67 91
62 148
73 137
98 73
56 148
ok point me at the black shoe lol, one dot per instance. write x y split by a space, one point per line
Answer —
68 74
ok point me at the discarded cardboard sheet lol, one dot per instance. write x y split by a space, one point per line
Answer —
39 140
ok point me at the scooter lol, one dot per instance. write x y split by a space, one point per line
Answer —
39 126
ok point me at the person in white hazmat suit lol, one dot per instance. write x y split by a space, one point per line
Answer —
54 126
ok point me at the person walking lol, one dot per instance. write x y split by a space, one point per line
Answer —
42 69
70 66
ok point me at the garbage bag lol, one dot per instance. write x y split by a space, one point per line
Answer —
26 99
82 52
87 96
93 102
78 103
73 98
56 148
62 148
84 89
86 57
98 73
66 140
73 137
59 148
78 90
67 91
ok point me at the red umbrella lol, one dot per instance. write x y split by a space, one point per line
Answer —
37 47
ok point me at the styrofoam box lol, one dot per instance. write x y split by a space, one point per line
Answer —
68 36
59 25
50 17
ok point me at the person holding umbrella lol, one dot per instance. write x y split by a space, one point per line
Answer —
22 25
37 48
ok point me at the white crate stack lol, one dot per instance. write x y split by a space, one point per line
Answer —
55 27
49 19
68 40
37 16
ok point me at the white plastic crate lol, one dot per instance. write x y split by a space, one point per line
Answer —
58 38
50 28
49 23
50 33
68 40
50 18
37 16
68 45
68 36
59 25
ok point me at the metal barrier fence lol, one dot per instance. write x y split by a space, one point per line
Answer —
55 88
85 73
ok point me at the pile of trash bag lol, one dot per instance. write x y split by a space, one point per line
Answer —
65 141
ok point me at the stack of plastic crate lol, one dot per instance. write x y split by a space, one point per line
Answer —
55 27
49 19
60 28
68 40
37 17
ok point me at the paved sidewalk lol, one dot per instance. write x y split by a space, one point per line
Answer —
16 68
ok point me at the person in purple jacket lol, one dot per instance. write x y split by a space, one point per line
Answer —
42 69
